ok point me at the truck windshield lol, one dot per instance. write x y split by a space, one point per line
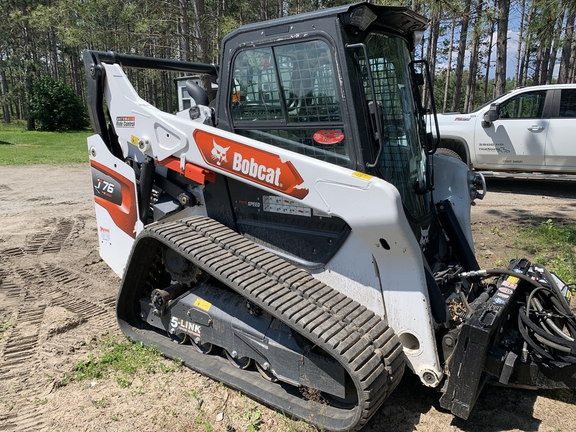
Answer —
403 160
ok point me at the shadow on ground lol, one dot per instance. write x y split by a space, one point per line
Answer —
536 187
413 406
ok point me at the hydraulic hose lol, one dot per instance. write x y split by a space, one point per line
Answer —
496 272
546 300
551 323
537 330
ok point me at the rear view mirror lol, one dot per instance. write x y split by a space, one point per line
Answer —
419 79
197 93
491 115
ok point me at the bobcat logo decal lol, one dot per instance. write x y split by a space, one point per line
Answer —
253 164
219 153
424 238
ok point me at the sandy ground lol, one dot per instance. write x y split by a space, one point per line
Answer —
56 295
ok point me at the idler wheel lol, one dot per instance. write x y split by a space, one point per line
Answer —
266 372
202 348
240 363
180 338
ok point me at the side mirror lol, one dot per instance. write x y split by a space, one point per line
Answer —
197 93
491 115
419 79
430 142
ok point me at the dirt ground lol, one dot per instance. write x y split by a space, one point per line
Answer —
56 295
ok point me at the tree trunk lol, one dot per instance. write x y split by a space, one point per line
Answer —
525 65
184 30
201 36
538 66
19 102
449 66
487 74
563 74
526 51
517 75
431 50
544 65
458 71
30 125
471 85
572 69
263 10
77 78
501 47
476 34
551 64
53 46
434 50
4 92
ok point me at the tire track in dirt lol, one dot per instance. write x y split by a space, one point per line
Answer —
36 339
20 355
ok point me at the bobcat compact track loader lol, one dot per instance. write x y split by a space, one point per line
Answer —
297 239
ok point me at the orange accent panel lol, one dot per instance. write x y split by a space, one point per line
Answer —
193 172
125 214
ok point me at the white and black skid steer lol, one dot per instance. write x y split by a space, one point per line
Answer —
298 233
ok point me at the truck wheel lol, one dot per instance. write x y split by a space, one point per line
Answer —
447 152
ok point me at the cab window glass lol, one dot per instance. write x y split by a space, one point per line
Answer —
288 96
403 160
526 105
568 103
308 82
256 93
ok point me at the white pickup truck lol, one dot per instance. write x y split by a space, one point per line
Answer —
530 129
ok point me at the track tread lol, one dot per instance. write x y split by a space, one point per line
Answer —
361 341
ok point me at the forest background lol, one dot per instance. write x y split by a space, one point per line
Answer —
478 49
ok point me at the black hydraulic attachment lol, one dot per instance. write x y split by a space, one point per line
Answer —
521 335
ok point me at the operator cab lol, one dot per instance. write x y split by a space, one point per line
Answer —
340 86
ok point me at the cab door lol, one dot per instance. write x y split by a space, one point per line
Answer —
561 141
517 139
287 95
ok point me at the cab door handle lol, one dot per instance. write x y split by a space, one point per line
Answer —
536 128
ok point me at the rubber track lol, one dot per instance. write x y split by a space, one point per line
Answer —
361 341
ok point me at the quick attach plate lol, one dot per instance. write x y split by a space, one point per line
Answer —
468 372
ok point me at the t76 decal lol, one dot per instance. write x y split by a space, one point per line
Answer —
117 195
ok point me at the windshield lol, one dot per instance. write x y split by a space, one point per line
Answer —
485 104
488 103
403 160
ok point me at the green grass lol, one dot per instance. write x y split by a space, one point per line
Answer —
122 359
6 326
553 245
21 147
254 417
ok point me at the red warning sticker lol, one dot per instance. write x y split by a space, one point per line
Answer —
328 137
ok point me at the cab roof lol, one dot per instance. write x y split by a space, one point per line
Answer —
395 18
